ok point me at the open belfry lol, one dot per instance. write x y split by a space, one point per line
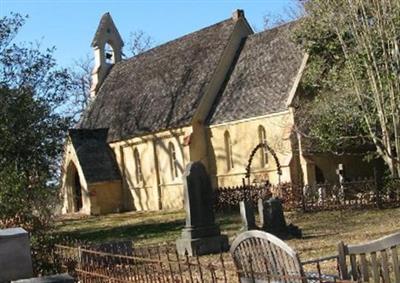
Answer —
209 96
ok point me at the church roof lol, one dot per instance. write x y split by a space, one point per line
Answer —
95 156
158 89
262 78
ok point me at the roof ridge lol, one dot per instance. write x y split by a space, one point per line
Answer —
278 27
176 39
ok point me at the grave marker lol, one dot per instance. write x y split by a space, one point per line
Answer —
15 255
200 235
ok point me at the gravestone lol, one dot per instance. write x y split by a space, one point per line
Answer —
247 215
200 235
273 220
15 255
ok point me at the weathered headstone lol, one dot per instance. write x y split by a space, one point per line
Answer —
273 220
15 255
247 215
272 217
200 235
59 278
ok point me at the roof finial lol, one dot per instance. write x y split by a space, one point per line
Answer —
237 14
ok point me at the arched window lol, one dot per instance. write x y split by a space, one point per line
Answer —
138 166
228 151
263 151
173 161
109 53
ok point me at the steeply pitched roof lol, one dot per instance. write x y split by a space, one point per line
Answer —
94 155
262 77
106 25
161 88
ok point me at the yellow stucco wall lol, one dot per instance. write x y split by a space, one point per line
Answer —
244 138
159 189
354 167
106 197
70 164
97 198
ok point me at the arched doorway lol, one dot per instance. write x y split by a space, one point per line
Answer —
74 189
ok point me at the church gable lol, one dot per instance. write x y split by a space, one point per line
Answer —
161 88
262 78
95 157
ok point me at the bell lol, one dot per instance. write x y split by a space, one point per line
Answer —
108 55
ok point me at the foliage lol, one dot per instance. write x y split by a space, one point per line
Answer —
32 92
355 58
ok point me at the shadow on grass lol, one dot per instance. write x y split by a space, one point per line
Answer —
160 231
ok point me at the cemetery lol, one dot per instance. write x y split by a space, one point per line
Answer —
218 246
229 154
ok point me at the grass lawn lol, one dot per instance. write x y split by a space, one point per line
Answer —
321 230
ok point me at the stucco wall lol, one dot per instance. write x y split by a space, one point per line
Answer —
244 137
105 197
70 164
354 167
158 190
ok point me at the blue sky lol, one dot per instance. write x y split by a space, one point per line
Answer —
70 25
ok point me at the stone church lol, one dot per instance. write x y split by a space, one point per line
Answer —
211 95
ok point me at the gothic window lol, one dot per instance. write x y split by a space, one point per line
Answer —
263 151
138 166
173 161
228 151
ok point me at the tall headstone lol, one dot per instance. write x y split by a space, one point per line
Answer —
201 235
15 255
247 215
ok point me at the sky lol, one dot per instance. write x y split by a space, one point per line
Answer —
69 25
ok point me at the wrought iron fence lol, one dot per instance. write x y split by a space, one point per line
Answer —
147 264
352 194
162 264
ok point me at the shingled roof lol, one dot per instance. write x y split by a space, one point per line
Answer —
95 156
262 78
158 89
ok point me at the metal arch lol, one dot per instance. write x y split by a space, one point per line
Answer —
253 152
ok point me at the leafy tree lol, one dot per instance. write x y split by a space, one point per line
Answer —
32 127
354 69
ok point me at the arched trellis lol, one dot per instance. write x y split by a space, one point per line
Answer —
253 152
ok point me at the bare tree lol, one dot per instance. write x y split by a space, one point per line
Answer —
81 76
81 73
138 42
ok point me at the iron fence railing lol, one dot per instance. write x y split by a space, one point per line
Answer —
163 265
351 194
160 264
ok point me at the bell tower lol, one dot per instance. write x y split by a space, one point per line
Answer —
107 46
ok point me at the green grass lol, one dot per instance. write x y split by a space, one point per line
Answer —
321 231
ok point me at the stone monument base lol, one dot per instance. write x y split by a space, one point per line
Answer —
202 246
